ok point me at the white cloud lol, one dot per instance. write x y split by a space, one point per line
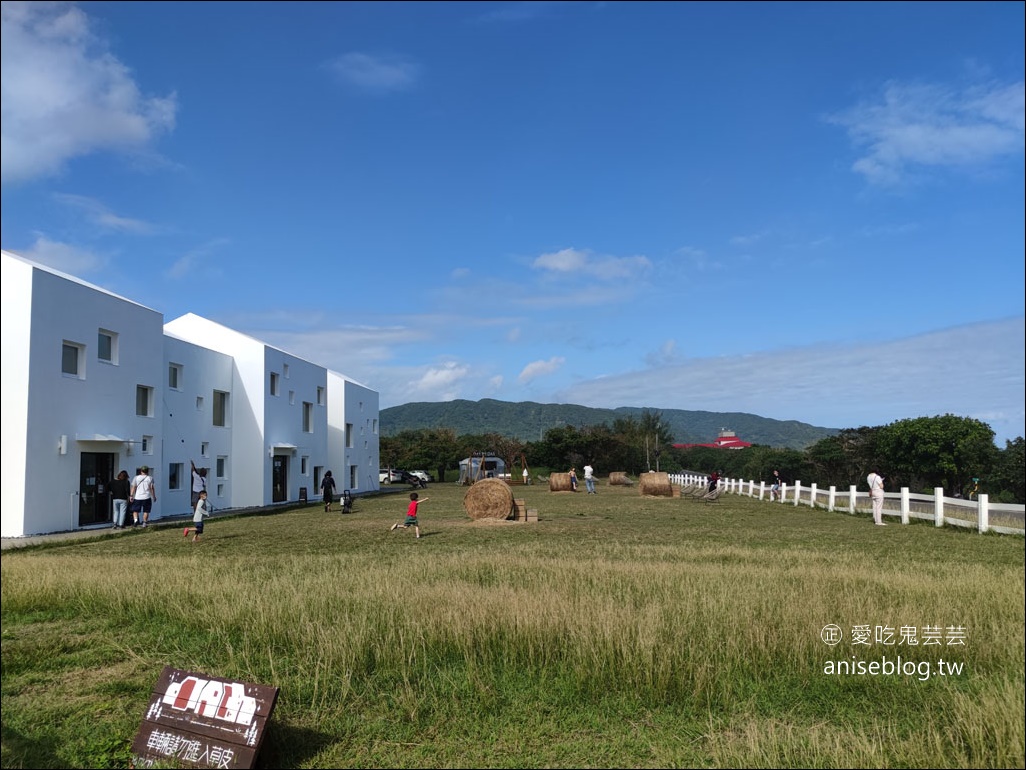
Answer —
844 385
914 126
375 73
585 264
197 259
537 369
697 259
61 256
103 216
440 383
64 95
667 354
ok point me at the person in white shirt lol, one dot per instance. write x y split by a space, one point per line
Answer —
142 496
589 478
876 493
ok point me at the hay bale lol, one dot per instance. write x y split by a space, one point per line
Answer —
489 499
619 479
655 484
560 482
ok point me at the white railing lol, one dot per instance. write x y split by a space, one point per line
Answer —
980 514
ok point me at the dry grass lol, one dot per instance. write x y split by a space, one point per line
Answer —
593 638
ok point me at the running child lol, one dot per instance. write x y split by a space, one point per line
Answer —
411 515
202 509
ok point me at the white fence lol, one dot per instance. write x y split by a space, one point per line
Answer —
980 514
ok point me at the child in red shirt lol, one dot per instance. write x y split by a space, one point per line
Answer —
411 515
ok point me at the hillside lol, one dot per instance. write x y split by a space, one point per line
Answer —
528 421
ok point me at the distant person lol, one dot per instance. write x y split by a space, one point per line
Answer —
527 478
589 479
775 482
573 479
197 517
714 479
876 494
120 490
411 515
143 495
199 482
328 488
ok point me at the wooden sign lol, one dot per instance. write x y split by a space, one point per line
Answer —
196 720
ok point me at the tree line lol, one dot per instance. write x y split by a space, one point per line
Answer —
956 453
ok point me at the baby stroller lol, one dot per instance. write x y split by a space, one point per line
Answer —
346 502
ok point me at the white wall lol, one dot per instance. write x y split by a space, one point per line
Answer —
95 411
264 425
15 333
298 383
351 403
188 423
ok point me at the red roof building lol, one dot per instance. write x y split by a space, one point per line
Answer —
726 440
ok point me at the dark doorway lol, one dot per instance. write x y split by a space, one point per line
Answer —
94 502
279 479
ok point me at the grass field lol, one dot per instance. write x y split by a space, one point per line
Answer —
618 631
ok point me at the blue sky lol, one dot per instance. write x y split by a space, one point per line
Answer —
807 211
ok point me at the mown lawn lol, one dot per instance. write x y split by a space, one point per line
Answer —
618 631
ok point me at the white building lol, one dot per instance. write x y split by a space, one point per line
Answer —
352 433
94 383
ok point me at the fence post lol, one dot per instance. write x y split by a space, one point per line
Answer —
812 495
783 491
797 491
983 508
832 499
904 505
938 506
852 494
762 489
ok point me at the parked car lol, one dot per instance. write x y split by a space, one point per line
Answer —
423 475
387 476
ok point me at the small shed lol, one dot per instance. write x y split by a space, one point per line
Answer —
479 467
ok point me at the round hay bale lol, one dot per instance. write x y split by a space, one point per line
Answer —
560 482
655 484
619 479
489 499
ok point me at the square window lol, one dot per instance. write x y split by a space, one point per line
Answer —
143 401
107 346
175 474
71 360
220 408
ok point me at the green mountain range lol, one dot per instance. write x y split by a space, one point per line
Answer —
528 421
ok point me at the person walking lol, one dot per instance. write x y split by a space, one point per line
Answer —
573 479
201 511
775 482
328 488
411 515
589 479
143 495
120 490
876 494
